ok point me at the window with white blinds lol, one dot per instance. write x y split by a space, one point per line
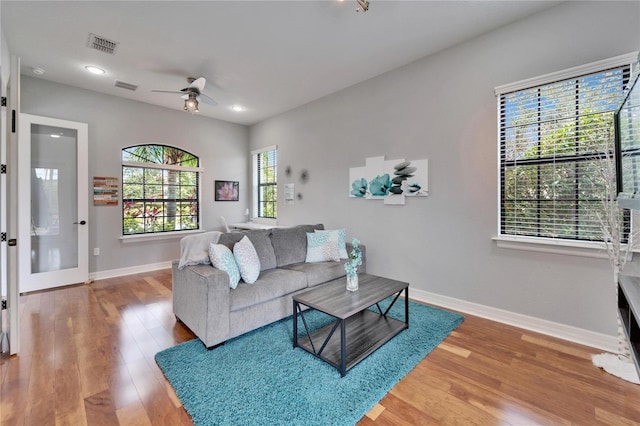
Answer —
555 140
266 183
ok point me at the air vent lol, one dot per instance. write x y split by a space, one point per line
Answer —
102 44
124 85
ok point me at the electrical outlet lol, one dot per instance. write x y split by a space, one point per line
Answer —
96 251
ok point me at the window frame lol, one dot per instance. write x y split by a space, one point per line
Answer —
543 243
257 185
145 166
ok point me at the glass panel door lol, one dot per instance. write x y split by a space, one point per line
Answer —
54 201
54 216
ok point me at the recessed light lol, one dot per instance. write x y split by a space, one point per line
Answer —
94 70
55 136
37 71
238 108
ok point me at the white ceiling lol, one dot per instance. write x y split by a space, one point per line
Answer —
270 56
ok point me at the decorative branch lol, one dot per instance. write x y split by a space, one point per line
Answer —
611 220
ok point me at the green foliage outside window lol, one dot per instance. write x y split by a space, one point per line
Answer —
267 184
156 199
556 141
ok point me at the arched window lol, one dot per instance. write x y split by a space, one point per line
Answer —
160 190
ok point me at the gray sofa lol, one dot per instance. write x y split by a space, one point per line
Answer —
204 302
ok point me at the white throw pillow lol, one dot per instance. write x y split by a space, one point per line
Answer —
222 258
321 248
247 260
340 237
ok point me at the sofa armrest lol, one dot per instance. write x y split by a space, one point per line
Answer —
201 301
362 268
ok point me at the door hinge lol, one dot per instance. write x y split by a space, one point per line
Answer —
13 121
4 304
3 236
3 169
4 101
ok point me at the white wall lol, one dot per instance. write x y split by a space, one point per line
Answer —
5 63
443 108
116 123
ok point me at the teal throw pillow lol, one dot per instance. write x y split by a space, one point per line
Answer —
321 248
222 258
340 237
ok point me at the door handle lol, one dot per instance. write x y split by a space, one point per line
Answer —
82 222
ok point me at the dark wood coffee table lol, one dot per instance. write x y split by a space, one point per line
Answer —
362 330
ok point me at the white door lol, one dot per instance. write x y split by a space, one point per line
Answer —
53 234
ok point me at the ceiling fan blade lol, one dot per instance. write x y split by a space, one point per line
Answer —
165 91
198 83
206 99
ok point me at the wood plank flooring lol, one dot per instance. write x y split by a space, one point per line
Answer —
87 359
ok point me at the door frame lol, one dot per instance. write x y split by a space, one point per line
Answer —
80 274
10 272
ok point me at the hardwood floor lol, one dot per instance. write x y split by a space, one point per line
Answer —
87 358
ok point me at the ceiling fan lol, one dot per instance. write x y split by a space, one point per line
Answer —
192 94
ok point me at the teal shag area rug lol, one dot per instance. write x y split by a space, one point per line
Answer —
260 379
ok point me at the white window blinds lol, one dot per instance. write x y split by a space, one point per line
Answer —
266 189
555 140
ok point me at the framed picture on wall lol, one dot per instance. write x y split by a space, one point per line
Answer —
105 191
226 190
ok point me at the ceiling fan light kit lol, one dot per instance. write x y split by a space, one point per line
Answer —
191 104
193 94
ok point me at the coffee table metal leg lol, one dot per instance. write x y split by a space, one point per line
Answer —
298 311
406 306
295 324
343 348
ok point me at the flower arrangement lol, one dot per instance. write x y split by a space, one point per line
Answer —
355 259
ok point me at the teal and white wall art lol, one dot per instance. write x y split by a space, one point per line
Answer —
389 180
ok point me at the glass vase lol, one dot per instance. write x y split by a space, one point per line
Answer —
352 282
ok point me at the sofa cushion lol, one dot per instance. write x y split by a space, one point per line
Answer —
223 259
261 243
290 244
247 260
319 273
272 284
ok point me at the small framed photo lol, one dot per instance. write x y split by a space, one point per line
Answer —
226 190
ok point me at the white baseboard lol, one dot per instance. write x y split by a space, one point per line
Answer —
129 271
573 334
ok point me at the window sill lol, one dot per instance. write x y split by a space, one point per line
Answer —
544 245
139 238
266 221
